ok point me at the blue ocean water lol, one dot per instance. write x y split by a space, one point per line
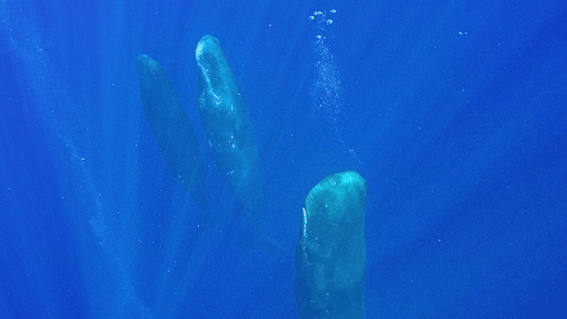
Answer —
454 112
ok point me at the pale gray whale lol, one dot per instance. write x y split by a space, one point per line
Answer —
227 127
330 257
228 130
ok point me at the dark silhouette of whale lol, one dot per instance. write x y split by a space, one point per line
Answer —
172 130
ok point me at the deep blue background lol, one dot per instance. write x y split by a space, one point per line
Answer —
456 112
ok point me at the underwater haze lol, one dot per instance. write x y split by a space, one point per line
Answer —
454 112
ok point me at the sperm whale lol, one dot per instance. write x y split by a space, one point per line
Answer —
172 129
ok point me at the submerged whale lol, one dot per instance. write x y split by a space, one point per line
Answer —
330 258
172 130
226 124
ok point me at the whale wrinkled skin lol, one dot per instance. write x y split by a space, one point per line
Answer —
330 258
172 129
227 127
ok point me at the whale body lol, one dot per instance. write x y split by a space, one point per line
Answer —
226 124
330 255
172 130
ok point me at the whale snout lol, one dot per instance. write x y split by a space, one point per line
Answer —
146 67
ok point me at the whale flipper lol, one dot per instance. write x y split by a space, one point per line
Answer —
331 252
228 130
172 130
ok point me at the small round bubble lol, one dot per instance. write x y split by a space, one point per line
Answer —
330 21
333 11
